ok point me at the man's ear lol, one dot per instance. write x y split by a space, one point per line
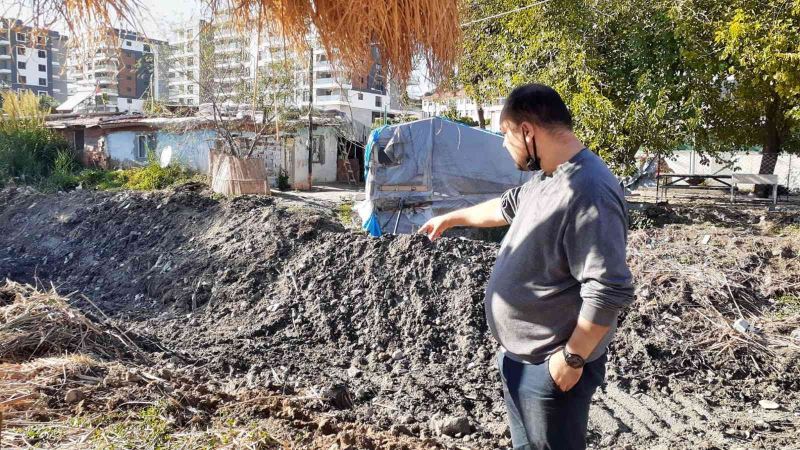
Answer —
527 128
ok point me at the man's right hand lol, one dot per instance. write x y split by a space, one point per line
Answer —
434 227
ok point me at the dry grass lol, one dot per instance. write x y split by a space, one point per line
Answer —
691 293
401 29
37 323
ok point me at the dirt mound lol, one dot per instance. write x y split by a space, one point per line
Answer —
74 400
391 332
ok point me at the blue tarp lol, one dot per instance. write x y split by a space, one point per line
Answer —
434 166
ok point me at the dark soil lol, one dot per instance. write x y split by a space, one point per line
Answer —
263 292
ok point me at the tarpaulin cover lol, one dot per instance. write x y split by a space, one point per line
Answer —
434 166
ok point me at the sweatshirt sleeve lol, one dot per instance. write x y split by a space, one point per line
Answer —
509 203
595 239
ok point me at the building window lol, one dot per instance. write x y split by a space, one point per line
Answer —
42 54
360 96
378 100
20 50
22 37
21 65
129 77
128 43
130 101
318 150
144 143
41 40
190 89
41 93
42 81
190 101
146 48
42 68
22 79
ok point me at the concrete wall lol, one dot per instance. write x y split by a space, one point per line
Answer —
321 173
787 168
120 147
189 149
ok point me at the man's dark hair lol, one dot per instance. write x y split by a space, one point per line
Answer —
538 104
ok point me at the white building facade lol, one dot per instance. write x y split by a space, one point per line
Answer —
119 75
437 104
237 58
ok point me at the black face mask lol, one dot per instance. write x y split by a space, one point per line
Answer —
532 163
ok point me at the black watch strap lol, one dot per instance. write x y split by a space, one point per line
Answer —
573 360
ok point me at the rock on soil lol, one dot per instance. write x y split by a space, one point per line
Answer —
387 331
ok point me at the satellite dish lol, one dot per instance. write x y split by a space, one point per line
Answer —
166 156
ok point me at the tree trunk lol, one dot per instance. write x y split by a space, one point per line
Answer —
481 119
771 148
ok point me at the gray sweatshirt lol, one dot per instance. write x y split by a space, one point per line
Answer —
563 257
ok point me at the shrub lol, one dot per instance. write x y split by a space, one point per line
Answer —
283 180
101 179
63 177
28 151
153 176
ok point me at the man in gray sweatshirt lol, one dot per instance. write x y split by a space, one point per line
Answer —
560 279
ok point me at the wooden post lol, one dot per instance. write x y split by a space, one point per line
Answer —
310 111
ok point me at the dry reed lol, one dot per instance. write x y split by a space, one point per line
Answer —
402 30
39 324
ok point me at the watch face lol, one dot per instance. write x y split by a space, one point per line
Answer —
574 361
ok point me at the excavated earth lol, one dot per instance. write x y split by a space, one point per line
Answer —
260 291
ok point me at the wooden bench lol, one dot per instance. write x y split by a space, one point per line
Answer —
754 178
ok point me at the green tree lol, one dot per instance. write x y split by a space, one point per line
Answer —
616 63
743 60
451 113
48 104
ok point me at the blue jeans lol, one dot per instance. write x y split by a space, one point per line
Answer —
540 415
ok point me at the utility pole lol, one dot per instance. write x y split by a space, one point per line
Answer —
310 109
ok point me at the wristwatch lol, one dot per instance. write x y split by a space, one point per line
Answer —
573 359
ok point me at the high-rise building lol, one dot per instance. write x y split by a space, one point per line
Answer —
214 62
32 59
121 73
187 47
363 98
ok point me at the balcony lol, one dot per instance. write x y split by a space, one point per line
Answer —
106 68
5 42
228 49
328 99
322 66
5 70
5 57
105 80
333 83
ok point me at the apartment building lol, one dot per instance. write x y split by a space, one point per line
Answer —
122 73
188 49
363 98
32 59
437 103
208 59
234 60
